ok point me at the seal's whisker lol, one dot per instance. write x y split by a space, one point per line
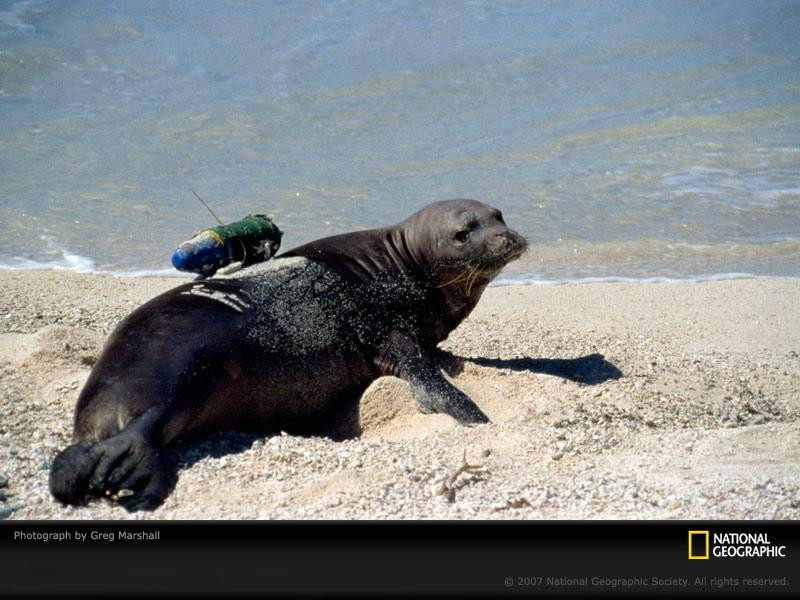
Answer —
475 274
461 276
471 279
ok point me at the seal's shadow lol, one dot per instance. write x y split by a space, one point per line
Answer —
224 443
591 369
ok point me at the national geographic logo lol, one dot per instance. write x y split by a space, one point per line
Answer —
703 545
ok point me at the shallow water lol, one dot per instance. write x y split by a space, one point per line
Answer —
623 139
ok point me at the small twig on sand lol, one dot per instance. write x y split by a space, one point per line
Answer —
516 503
447 487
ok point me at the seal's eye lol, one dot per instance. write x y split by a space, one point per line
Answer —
463 236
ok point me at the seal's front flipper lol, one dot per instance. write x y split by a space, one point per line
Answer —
433 393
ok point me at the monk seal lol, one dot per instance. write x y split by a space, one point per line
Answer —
281 345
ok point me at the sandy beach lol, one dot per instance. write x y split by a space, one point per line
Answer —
607 400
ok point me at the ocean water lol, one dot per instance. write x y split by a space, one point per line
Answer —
633 140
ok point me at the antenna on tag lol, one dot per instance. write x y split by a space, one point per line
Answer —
207 207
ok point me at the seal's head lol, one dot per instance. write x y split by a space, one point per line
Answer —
464 243
455 246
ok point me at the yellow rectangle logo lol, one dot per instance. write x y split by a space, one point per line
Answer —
698 556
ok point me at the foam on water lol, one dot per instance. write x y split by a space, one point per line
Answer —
80 264
69 261
613 279
63 259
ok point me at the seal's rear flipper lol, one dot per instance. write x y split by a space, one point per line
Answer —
124 467
70 472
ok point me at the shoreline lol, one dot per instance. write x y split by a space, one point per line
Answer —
703 423
172 274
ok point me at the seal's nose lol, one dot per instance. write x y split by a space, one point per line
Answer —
518 241
509 241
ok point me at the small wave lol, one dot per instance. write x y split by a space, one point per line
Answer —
145 273
65 260
81 264
68 262
781 194
620 279
759 186
13 17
